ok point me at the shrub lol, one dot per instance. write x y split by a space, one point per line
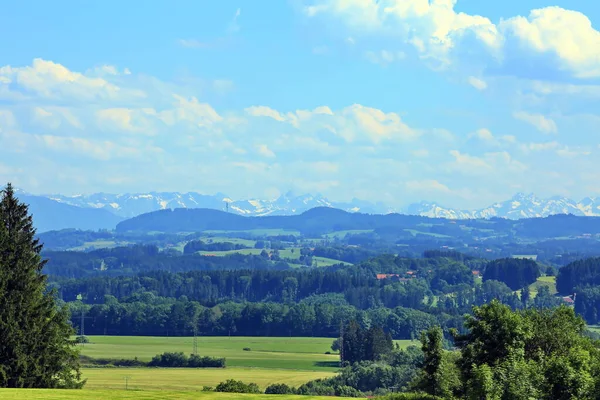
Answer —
195 361
233 386
411 396
347 391
280 388
111 362
316 388
247 349
180 360
81 339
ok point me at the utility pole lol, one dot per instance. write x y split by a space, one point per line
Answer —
126 381
196 339
341 342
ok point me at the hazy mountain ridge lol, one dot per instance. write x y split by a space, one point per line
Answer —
133 204
130 205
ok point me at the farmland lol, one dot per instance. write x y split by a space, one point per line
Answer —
306 354
183 379
53 394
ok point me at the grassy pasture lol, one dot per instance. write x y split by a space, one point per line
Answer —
99 244
284 253
54 394
342 234
548 281
307 354
415 232
183 379
223 239
257 232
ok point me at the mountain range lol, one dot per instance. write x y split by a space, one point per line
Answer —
104 210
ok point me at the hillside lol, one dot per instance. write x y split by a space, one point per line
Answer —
323 220
49 215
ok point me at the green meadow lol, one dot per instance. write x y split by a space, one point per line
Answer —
53 394
307 354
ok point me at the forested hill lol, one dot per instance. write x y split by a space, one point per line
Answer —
324 220
316 220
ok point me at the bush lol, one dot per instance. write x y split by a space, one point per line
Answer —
81 339
233 386
411 396
111 362
195 361
280 388
169 360
347 391
247 349
180 360
316 388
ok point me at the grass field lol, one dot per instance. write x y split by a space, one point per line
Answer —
415 232
53 394
184 379
342 234
548 281
258 232
307 354
99 244
284 253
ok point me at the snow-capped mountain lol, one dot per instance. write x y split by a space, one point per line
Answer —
520 206
130 205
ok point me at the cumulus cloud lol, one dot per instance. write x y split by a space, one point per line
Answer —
539 121
174 138
548 38
50 80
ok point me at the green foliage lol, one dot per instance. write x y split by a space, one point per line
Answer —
180 360
439 375
233 386
280 388
515 272
410 396
528 354
36 349
359 344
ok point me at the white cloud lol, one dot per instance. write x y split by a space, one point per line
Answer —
55 117
427 186
190 110
7 119
539 121
549 38
565 34
264 111
50 80
477 83
468 163
264 151
384 57
485 135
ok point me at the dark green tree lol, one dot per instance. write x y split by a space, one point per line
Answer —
433 351
35 346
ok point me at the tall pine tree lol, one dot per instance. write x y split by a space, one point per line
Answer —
35 346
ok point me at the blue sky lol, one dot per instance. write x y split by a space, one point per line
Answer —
462 102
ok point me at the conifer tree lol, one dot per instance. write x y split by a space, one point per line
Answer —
35 346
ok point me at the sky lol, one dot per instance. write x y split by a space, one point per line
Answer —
462 102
